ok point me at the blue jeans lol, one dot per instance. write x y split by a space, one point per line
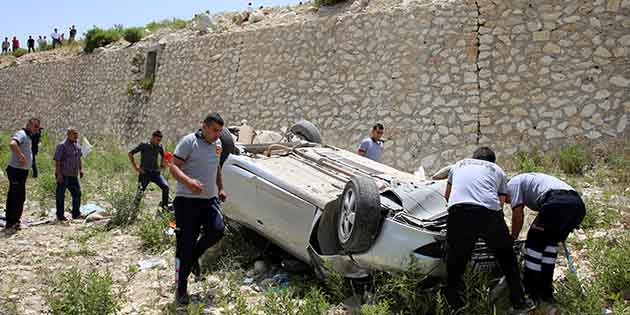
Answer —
71 183
152 177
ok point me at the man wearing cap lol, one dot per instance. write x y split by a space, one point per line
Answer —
17 173
560 210
197 170
149 171
68 170
475 191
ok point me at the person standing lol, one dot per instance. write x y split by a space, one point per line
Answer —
73 34
55 38
372 146
5 46
197 170
68 170
30 44
475 191
16 44
41 43
149 170
17 173
36 139
560 210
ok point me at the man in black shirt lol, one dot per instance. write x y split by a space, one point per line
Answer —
149 171
30 44
36 139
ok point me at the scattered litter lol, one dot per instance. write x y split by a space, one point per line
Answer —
170 231
86 147
248 280
151 263
89 209
98 216
260 267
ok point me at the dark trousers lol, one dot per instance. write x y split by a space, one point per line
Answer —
467 223
16 195
72 184
34 166
560 213
55 42
31 49
195 217
5 51
152 177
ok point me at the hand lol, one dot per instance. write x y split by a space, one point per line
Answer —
195 186
59 178
222 195
81 174
22 159
140 170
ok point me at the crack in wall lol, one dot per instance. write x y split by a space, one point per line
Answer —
478 70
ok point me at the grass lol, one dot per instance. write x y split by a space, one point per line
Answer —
599 216
74 292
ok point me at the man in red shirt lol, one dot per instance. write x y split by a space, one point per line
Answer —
16 44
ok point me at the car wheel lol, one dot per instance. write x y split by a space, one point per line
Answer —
359 215
307 131
227 145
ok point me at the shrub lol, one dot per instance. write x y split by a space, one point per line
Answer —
133 34
573 160
527 162
75 293
577 297
19 52
610 262
174 24
97 37
125 206
381 308
147 83
151 231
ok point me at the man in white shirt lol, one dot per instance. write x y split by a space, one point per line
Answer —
56 38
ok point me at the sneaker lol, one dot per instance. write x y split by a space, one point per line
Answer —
523 309
182 298
62 219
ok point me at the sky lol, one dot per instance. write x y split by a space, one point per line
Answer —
22 18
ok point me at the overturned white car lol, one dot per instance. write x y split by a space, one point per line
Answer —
328 206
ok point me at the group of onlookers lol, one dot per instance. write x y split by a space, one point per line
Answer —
57 39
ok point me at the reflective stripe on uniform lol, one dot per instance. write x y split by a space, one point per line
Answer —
532 266
551 249
534 254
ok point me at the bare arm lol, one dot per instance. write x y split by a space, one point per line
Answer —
222 195
518 216
132 159
58 171
361 152
447 193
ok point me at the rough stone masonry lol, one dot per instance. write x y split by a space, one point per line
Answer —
443 76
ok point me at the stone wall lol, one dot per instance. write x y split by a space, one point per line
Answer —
442 76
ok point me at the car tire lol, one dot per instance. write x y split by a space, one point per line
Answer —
227 145
358 217
327 230
307 131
